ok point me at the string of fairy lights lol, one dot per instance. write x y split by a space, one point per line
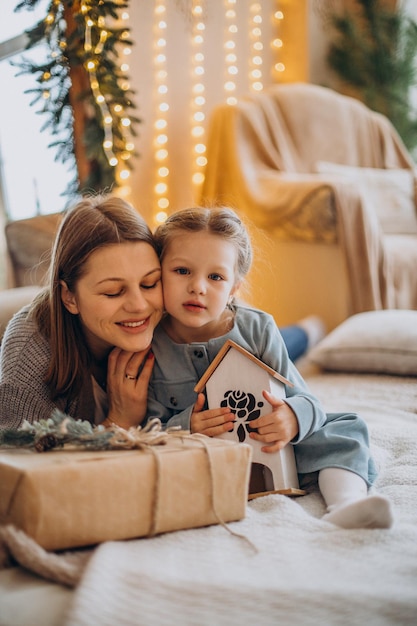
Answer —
109 112
277 44
256 79
161 106
230 51
123 171
256 47
198 96
91 65
102 30
94 36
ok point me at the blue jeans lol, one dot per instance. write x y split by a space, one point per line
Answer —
296 340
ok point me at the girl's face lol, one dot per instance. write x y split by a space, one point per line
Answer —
198 275
119 297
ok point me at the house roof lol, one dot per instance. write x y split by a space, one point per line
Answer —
219 358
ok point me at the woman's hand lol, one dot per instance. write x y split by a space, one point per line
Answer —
276 429
127 392
211 422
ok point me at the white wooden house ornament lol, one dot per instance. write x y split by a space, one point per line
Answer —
236 379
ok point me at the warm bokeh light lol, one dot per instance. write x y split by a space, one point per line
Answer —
251 24
197 114
256 47
109 114
161 100
277 44
230 58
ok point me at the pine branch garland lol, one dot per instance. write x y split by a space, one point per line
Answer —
80 84
61 430
375 52
55 432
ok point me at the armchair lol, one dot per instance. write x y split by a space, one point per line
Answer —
329 188
29 242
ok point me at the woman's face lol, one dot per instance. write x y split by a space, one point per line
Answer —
119 297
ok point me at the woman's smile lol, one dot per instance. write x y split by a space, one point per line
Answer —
134 325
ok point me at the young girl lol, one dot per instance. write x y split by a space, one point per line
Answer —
205 255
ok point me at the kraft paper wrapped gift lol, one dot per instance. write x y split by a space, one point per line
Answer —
66 499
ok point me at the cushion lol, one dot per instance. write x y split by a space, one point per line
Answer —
29 242
390 192
375 341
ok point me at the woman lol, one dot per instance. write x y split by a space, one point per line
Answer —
83 346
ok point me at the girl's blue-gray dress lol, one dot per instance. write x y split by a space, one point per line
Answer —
324 440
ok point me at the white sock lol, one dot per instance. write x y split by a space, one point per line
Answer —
315 329
348 503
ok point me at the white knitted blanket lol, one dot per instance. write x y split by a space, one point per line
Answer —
306 572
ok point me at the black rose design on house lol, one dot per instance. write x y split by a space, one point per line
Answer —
246 409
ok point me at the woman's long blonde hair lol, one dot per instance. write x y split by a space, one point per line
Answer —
95 222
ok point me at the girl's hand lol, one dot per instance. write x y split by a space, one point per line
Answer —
128 393
211 422
278 428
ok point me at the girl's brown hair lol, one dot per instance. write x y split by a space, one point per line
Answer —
95 222
221 221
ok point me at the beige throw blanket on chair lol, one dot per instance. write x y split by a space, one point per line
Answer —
262 159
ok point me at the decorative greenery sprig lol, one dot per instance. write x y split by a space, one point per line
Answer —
375 51
82 89
62 430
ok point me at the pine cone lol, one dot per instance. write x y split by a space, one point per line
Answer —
45 443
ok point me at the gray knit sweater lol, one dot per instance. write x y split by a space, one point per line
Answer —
24 358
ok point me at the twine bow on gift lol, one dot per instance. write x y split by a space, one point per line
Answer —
155 509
